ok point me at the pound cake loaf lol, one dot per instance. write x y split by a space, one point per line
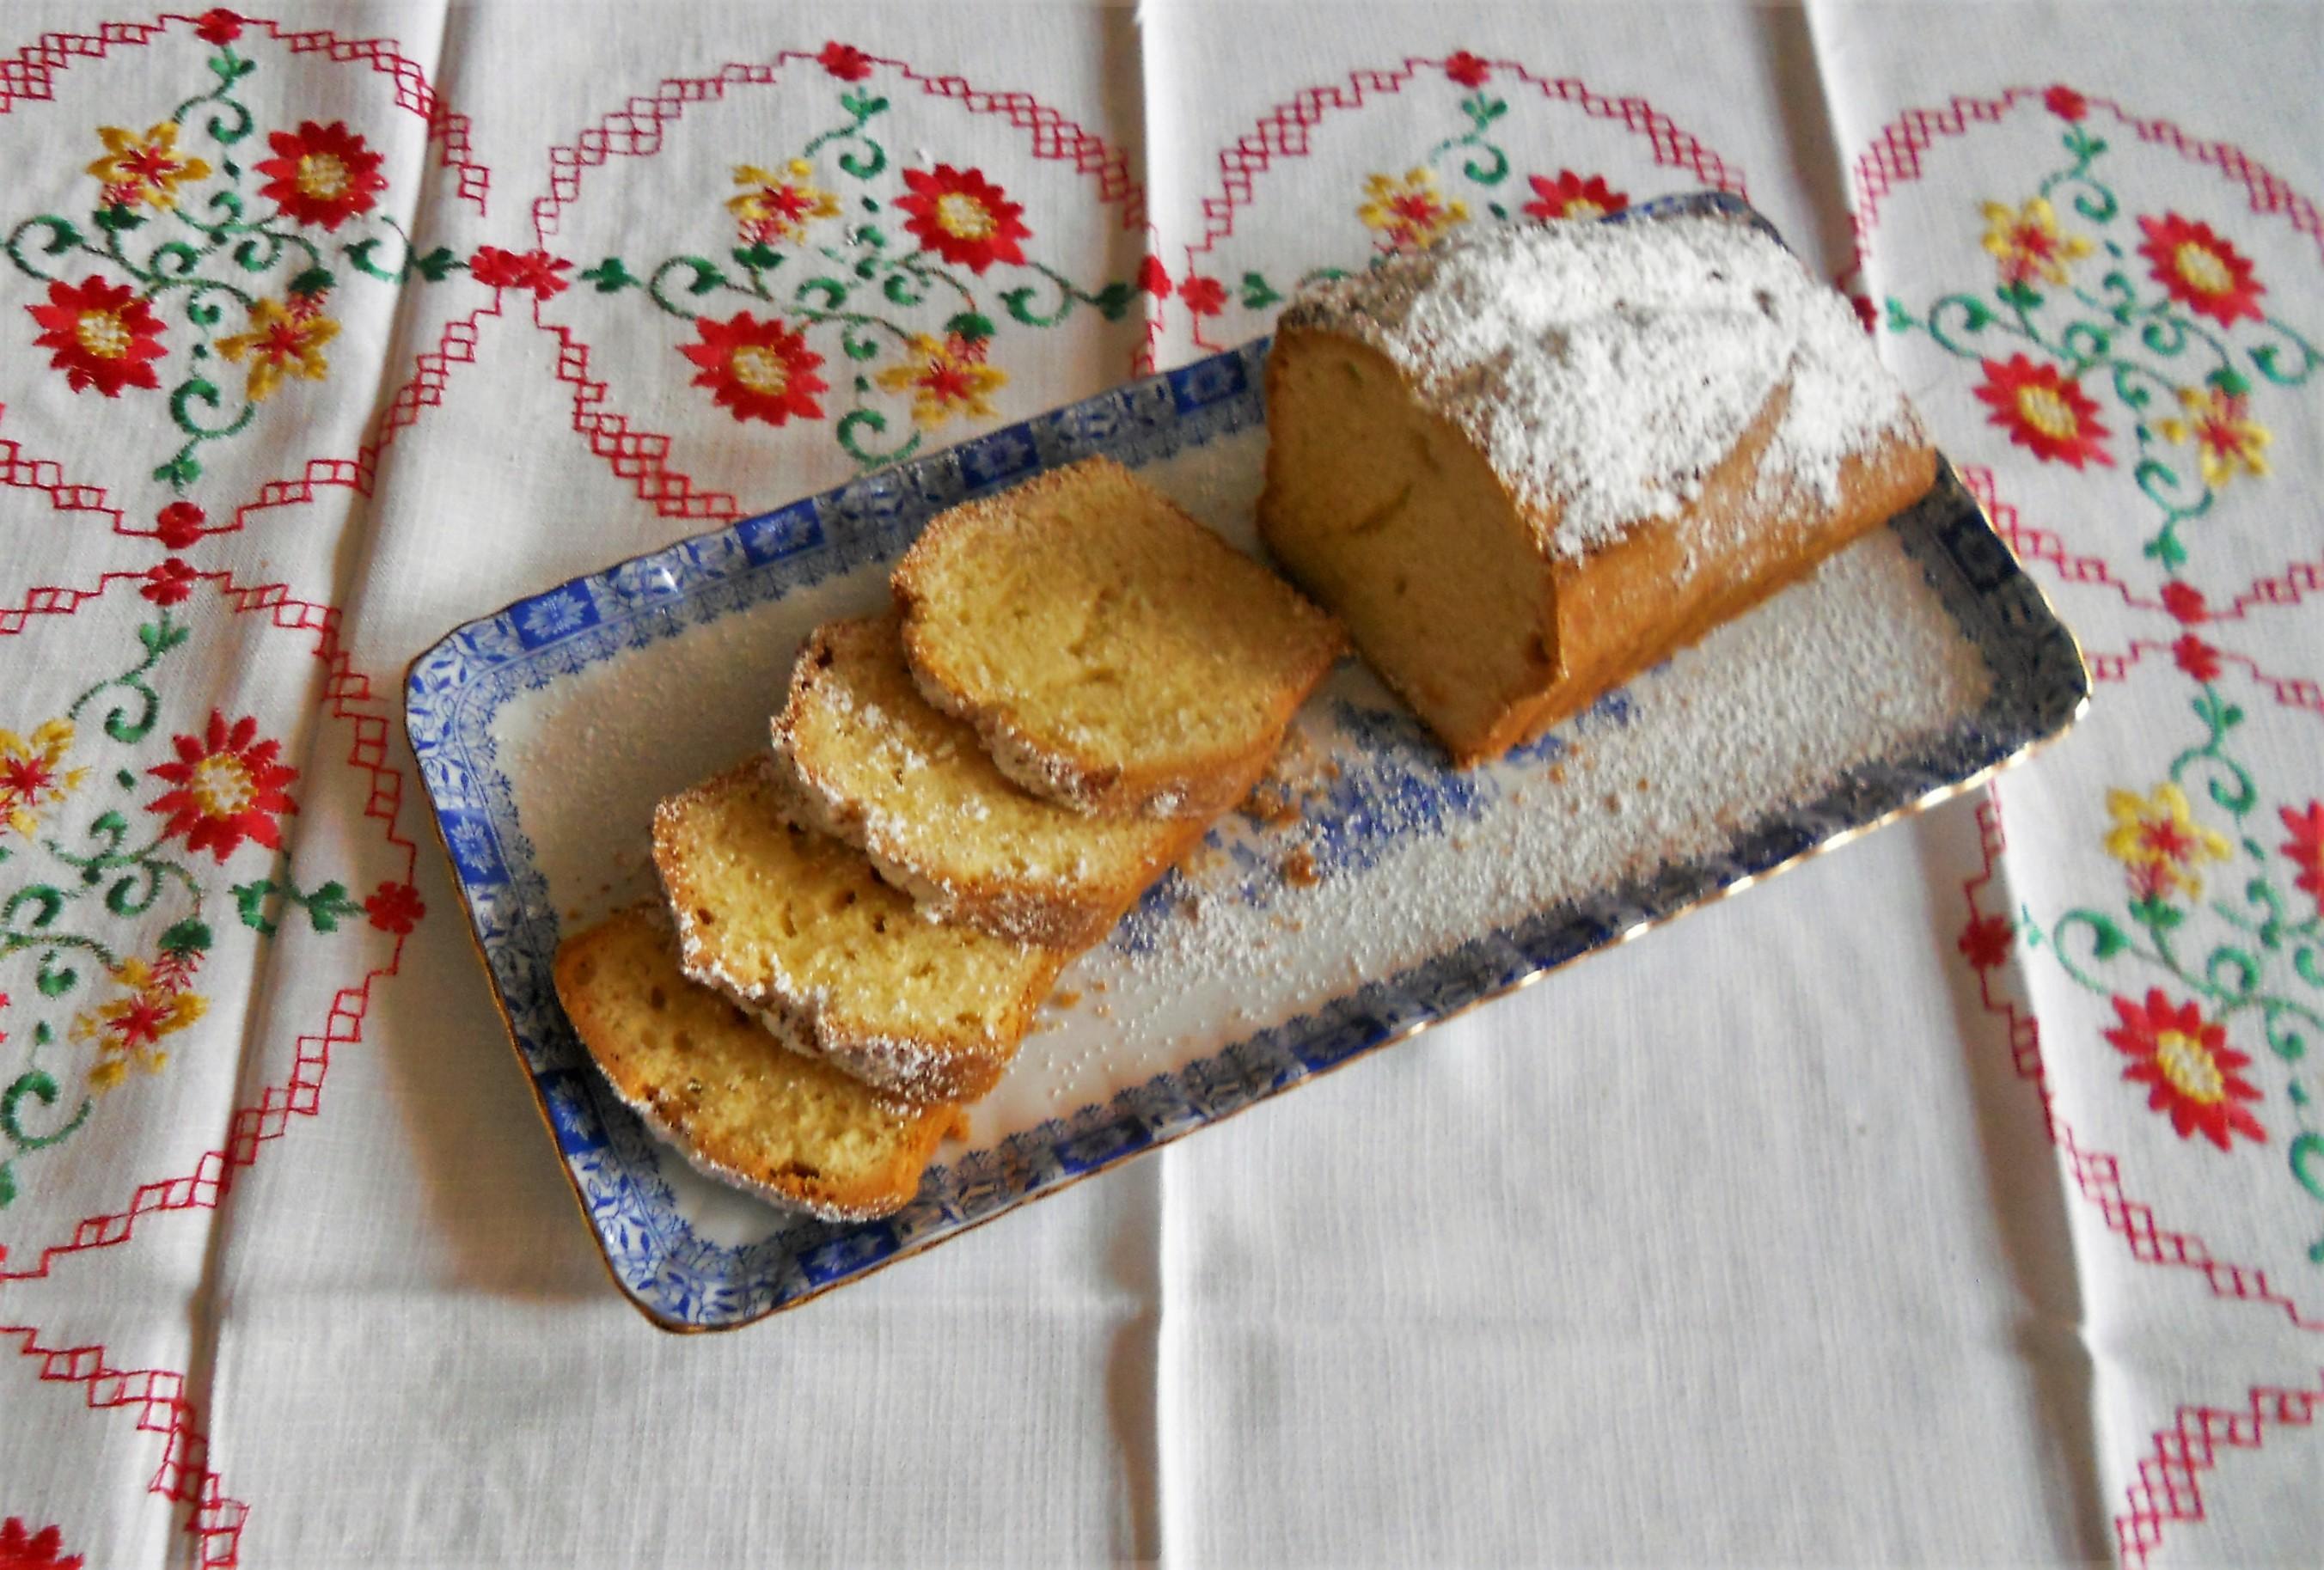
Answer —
712 1082
796 925
876 765
1528 463
1114 654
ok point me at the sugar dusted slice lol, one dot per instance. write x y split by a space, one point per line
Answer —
878 766
1114 654
712 1081
794 924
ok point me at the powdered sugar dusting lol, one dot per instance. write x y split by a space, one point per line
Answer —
1605 368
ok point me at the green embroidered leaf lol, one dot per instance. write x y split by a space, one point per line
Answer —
1112 300
161 637
1900 320
250 903
2107 939
42 1035
1481 110
1976 316
233 169
861 104
2229 381
2017 293
360 253
870 205
973 326
54 982
862 386
436 265
868 267
314 280
858 347
610 276
1257 294
190 936
834 293
62 236
124 779
2164 548
2217 712
1497 210
2156 913
872 235
117 220
759 257
1017 302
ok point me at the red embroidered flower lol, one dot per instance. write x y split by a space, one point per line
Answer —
218 25
2044 412
2065 102
1153 279
180 525
102 335
758 369
845 61
1467 69
2305 848
537 271
2185 602
169 584
2197 658
2187 1060
229 788
1986 941
322 174
963 217
394 907
2199 270
1205 296
1569 196
22 1548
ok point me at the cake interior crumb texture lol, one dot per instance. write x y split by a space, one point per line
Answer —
741 1106
911 786
1112 652
789 920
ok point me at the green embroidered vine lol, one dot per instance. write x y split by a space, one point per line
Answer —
2181 351
191 238
905 321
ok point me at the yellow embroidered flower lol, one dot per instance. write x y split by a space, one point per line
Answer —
1410 212
947 377
779 207
2028 245
2227 438
33 776
2157 838
282 340
145 168
131 1028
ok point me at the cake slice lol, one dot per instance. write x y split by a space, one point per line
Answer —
797 926
875 764
709 1080
1528 463
1114 654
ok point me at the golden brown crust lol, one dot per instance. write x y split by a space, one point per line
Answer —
949 1065
1055 912
674 1109
1200 786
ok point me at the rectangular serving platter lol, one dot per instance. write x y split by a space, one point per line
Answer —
1910 668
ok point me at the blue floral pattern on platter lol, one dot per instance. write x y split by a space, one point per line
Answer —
1396 786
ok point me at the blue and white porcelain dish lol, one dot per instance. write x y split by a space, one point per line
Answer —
1913 665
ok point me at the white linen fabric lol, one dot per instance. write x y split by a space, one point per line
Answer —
1824 1227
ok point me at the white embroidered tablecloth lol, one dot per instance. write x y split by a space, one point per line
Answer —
1958 1197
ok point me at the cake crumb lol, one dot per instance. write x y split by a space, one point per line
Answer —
1299 869
1065 999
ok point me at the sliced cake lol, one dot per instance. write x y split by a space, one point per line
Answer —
1114 654
876 765
710 1080
796 925
1528 463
